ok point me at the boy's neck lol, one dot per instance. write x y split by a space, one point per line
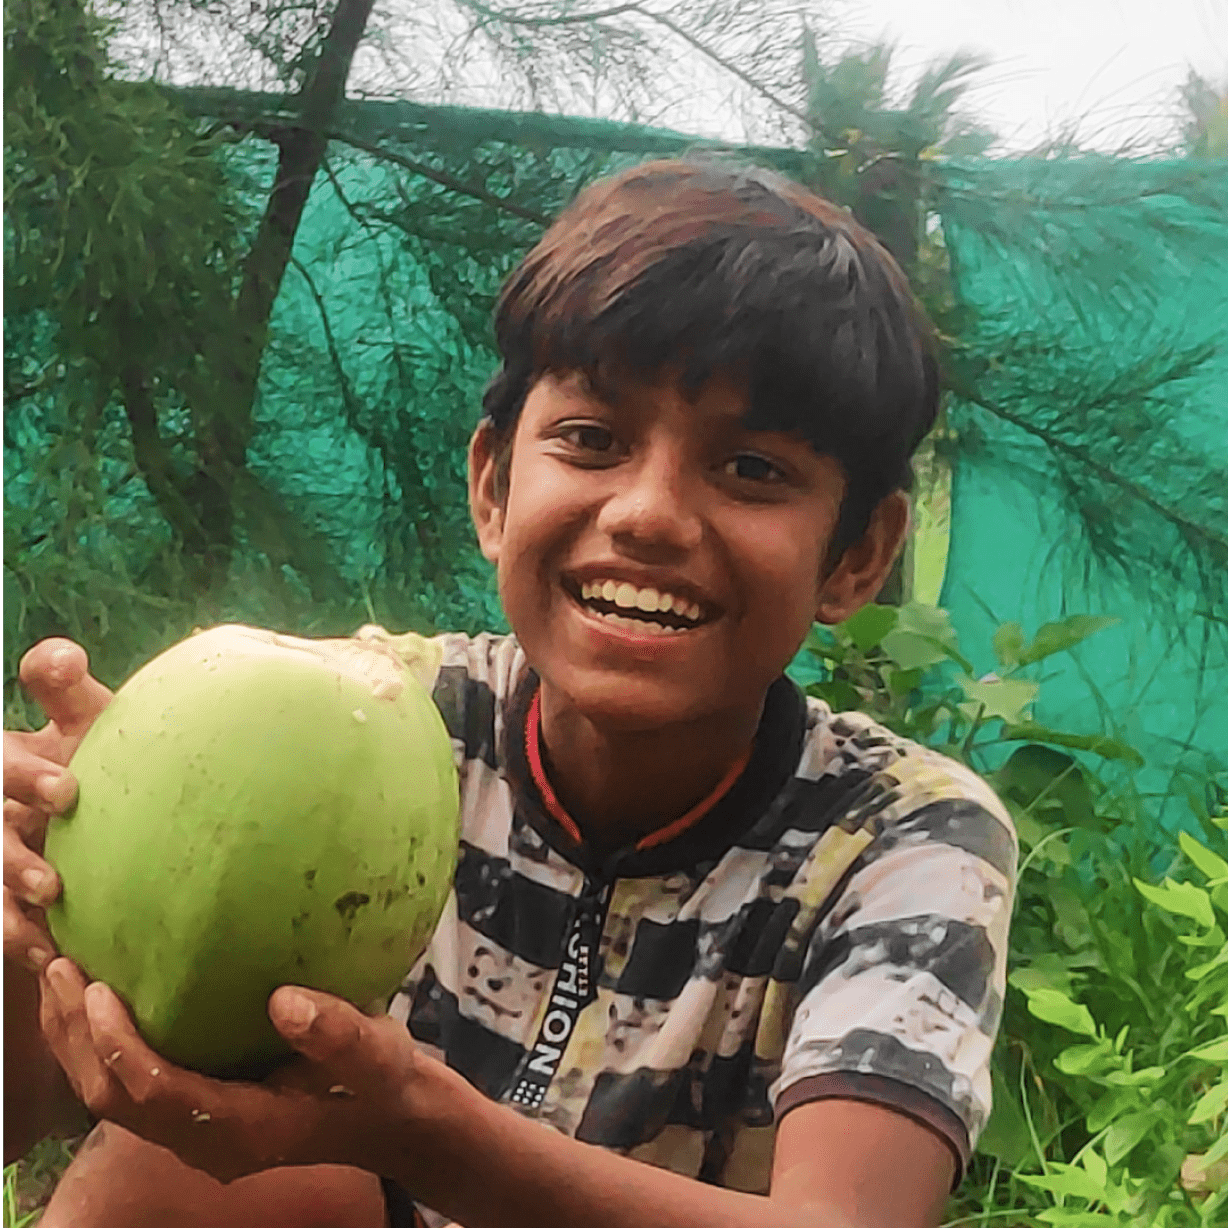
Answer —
620 786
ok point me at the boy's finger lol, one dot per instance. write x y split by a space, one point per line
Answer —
66 1027
26 874
56 674
141 1073
226 1129
25 940
33 779
29 822
320 1026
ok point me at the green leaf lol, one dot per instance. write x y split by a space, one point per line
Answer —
1005 698
1008 644
1181 899
1038 778
911 651
929 620
867 627
1105 747
1097 1169
1053 1006
1201 970
1087 1061
1211 938
1069 1180
1217 1152
901 681
1127 1132
1115 1103
1211 1104
1213 1051
1059 636
1135 1078
1006 1136
842 696
1211 864
1048 970
923 636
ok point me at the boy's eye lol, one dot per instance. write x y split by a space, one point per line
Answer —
588 437
752 468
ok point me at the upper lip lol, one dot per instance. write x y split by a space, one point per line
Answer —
663 582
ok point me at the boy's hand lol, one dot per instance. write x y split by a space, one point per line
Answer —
355 1097
56 674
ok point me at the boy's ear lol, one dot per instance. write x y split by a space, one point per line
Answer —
485 504
865 565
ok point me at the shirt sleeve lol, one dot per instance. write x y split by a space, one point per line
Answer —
900 994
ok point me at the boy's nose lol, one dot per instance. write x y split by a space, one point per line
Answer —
654 507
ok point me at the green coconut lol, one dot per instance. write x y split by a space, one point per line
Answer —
255 810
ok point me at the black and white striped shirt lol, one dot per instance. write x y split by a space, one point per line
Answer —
835 925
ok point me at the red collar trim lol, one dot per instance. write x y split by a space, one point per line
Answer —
532 746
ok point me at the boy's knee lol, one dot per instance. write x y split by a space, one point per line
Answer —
120 1181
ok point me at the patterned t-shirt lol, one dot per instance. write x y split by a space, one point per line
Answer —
834 926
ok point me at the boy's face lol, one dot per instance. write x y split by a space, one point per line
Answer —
659 563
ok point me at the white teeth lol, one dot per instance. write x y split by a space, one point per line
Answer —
649 600
641 626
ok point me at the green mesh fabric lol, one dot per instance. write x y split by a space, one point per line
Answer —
1092 437
1090 297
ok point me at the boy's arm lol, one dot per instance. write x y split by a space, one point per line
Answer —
366 1096
838 1164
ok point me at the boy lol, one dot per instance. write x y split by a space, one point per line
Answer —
697 921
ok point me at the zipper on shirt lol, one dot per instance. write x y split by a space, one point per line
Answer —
575 986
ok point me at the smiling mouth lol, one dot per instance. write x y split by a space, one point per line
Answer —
643 610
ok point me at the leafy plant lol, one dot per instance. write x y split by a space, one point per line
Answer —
1110 1077
903 665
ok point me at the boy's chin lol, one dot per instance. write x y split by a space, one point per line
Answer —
622 704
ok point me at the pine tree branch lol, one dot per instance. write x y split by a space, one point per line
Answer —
563 19
638 10
442 178
1189 528
351 403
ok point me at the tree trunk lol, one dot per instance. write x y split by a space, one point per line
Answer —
201 507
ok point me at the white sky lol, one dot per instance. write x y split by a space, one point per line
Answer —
1112 65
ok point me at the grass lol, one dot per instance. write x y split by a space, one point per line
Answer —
30 1182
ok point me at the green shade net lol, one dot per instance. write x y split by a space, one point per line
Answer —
1089 299
1092 439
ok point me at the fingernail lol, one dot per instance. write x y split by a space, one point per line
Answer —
56 789
38 884
39 956
299 1012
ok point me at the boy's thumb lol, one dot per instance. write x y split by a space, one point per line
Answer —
56 673
320 1026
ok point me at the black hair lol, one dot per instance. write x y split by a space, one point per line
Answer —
695 270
